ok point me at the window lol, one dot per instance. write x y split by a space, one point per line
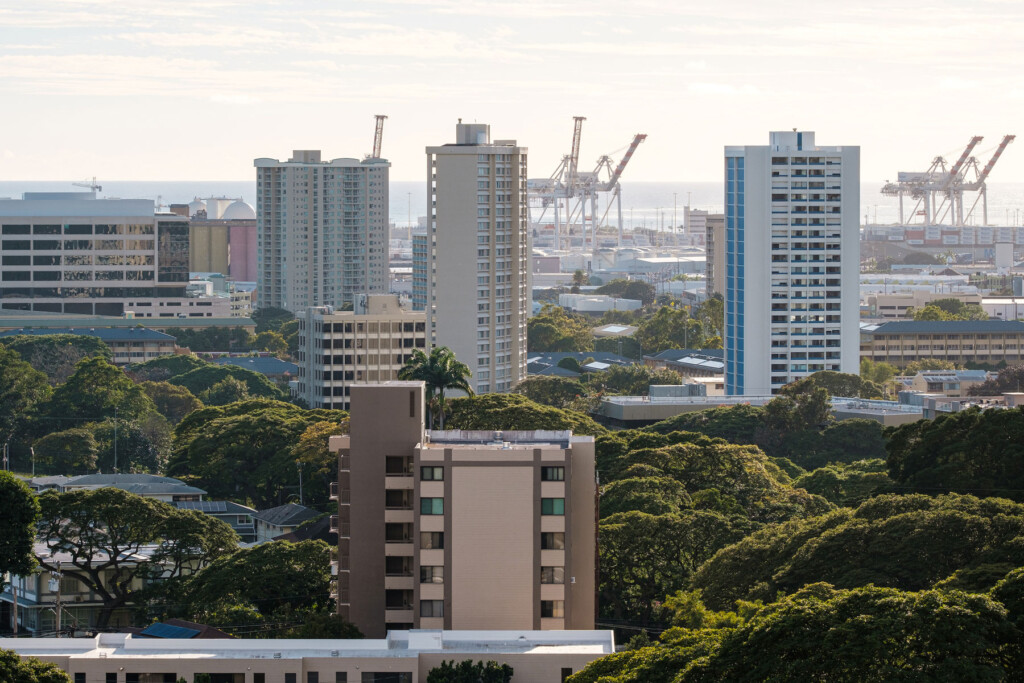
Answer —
552 506
432 473
431 608
259 678
312 677
552 574
552 474
431 506
552 609
552 540
375 677
431 574
112 678
432 540
566 672
340 677
289 678
79 678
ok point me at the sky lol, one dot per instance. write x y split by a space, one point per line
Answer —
195 90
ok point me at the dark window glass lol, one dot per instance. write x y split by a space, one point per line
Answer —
552 540
552 506
289 678
552 474
15 230
45 229
431 506
312 677
432 473
432 540
172 250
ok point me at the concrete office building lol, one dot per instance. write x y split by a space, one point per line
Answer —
461 530
478 287
338 349
420 268
792 261
714 246
402 657
323 230
68 252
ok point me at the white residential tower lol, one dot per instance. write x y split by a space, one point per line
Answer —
791 263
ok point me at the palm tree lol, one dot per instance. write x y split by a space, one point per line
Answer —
439 371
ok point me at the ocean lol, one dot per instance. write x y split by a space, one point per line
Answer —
648 204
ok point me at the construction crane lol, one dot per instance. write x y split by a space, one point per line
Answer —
938 192
91 185
574 155
378 136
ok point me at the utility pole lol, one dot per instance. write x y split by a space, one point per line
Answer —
301 500
14 594
57 576
115 439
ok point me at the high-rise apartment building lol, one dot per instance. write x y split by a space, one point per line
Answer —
792 261
338 349
478 288
714 249
323 230
420 268
461 530
68 252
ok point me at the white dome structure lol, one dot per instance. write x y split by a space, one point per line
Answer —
239 211
195 206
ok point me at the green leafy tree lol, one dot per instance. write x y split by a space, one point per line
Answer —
18 516
878 373
557 392
671 328
95 390
290 332
165 367
56 355
637 290
213 339
143 445
266 577
72 451
440 371
468 671
712 312
171 401
271 318
1009 379
630 380
228 390
847 484
326 625
628 347
511 411
273 342
972 451
554 330
23 389
914 367
14 669
199 380
104 530
244 451
836 384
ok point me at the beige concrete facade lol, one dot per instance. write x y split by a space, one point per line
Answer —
896 306
208 248
323 230
478 285
404 657
714 245
958 341
461 530
338 349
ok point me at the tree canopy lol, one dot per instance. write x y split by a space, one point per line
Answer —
96 390
14 669
553 329
673 328
23 390
439 370
468 671
18 515
106 530
637 290
1009 379
512 411
171 401
973 451
202 378
56 355
244 451
165 367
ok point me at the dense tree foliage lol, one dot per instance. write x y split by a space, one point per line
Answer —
627 347
212 339
949 309
637 290
165 367
512 411
72 451
973 451
104 530
23 389
56 355
1009 379
19 512
836 384
557 392
227 390
244 451
202 378
271 318
171 401
95 390
910 542
629 380
823 634
553 329
847 484
264 583
673 328
468 671
14 669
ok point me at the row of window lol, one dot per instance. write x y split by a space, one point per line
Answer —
435 473
548 506
549 540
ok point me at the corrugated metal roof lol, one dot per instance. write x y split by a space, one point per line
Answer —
104 333
946 327
168 631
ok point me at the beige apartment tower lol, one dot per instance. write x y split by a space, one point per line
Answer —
478 286
461 530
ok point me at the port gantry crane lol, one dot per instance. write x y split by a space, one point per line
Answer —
578 191
938 193
378 136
